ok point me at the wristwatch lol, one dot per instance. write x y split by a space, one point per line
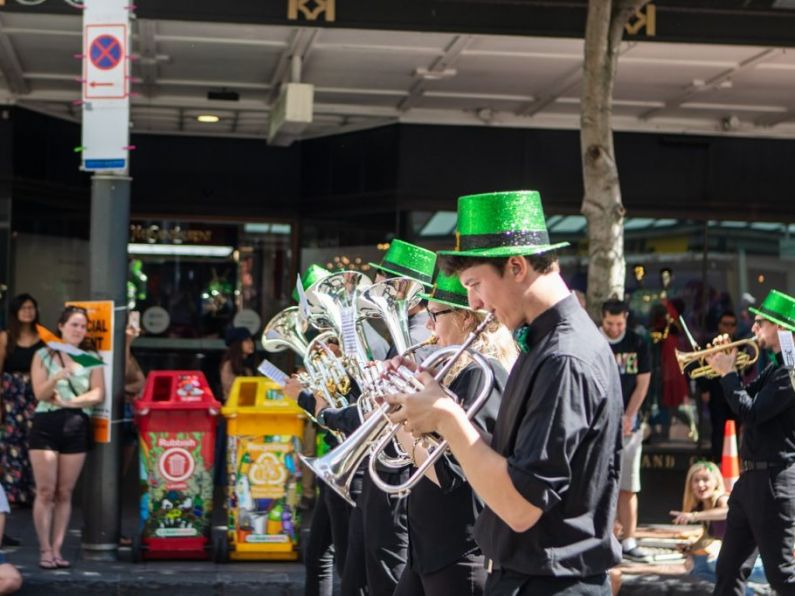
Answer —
321 417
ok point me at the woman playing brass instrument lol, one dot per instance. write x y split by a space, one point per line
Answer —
442 508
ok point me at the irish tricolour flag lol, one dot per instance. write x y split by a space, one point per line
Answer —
56 343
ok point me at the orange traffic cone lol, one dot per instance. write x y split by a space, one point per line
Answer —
730 462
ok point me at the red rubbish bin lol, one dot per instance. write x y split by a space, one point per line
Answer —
176 419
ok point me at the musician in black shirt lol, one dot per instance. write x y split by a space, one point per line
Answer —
442 508
378 518
762 503
549 479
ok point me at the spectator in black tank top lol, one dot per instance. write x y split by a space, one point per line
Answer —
17 346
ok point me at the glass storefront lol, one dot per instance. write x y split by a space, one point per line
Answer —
192 280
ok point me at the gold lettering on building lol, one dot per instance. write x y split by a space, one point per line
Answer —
311 10
644 19
658 461
176 235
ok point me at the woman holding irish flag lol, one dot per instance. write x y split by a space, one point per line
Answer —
67 382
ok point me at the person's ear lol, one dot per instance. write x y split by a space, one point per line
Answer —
516 265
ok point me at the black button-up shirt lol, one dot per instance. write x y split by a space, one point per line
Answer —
442 518
559 427
766 409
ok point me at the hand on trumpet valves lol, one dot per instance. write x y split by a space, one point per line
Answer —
722 362
393 365
425 411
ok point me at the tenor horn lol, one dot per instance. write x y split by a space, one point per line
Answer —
283 332
337 295
339 465
391 300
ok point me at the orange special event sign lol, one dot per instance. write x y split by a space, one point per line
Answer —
100 330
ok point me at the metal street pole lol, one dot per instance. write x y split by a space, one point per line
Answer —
110 215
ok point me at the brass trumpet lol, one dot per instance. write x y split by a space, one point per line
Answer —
744 359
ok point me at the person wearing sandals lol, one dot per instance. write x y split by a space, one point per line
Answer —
18 344
61 433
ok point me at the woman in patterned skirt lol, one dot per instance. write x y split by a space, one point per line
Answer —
17 346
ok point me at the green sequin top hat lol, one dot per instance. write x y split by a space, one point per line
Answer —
408 260
312 274
779 308
501 224
447 289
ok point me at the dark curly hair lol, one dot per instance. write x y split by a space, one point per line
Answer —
14 326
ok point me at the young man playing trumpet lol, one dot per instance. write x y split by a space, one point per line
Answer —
549 477
762 503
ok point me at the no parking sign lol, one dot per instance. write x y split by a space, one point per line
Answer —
106 85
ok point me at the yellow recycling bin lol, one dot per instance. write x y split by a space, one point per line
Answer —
265 430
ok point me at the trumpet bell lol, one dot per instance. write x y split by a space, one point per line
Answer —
338 467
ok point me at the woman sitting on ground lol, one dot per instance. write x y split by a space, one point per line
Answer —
706 501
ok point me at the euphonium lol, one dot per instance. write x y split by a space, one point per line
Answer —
339 465
743 361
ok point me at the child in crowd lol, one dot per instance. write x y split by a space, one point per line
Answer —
706 501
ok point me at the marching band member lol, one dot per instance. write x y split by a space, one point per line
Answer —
328 546
442 508
378 522
549 477
761 506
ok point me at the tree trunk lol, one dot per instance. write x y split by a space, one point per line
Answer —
602 205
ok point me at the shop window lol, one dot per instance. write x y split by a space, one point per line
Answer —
193 280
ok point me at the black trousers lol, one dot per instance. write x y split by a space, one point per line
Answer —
502 582
319 552
761 519
354 576
339 512
386 534
465 577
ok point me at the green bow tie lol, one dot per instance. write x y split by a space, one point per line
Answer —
520 337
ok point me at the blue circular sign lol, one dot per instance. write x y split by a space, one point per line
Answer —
105 52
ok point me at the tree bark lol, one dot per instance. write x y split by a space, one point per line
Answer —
602 205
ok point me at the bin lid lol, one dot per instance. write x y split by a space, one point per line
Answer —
259 395
177 390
